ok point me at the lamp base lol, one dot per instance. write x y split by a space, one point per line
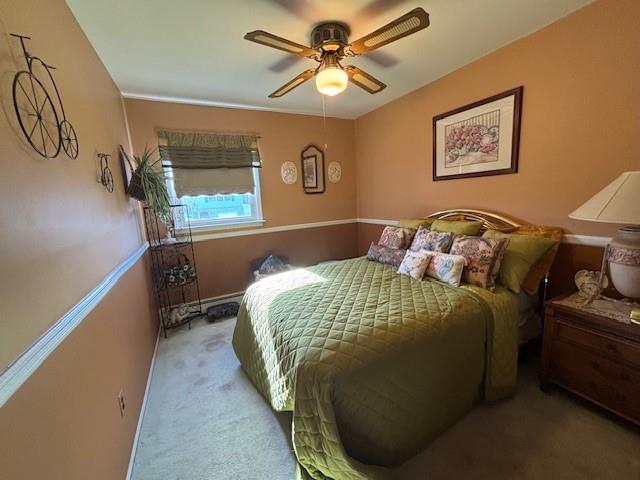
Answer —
623 255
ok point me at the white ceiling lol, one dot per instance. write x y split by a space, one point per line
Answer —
193 50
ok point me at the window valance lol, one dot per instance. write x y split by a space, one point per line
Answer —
197 150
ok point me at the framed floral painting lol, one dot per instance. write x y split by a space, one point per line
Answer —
479 139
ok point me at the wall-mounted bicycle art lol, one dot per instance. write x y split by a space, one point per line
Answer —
39 108
106 178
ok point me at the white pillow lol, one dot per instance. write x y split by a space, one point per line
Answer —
414 264
447 268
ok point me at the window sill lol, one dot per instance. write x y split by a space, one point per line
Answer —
205 229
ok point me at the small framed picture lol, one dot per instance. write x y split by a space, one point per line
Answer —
312 163
479 139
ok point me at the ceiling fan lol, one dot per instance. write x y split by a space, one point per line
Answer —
330 44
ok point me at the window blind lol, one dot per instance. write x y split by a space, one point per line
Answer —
197 150
209 163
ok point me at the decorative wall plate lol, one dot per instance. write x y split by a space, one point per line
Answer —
334 172
289 173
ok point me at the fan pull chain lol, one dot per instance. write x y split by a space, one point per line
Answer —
324 122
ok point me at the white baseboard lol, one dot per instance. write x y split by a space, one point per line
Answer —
143 408
229 297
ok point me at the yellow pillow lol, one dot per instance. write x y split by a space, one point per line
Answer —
522 253
459 227
415 222
543 266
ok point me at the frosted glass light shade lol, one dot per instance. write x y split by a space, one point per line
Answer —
618 202
331 81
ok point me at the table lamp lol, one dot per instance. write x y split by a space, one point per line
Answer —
619 202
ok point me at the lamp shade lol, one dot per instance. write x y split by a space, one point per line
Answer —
618 202
331 81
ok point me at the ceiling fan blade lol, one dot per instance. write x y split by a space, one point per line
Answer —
303 9
270 40
411 22
296 82
375 8
363 80
381 58
284 63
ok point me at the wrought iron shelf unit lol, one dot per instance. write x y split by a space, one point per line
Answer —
174 273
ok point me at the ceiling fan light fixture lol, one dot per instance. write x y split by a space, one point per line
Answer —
331 81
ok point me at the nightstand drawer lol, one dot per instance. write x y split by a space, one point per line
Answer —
607 382
611 347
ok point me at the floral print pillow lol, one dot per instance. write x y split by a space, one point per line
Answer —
484 256
433 241
396 237
446 268
415 264
390 256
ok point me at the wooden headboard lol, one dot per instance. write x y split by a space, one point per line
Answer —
490 221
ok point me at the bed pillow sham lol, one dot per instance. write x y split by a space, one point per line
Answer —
396 237
414 264
446 268
425 239
389 256
415 222
521 254
484 256
459 227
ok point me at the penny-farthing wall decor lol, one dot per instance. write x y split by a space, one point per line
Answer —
39 108
106 178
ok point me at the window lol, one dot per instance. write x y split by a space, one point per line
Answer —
210 211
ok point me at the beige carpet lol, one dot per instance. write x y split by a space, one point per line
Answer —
204 420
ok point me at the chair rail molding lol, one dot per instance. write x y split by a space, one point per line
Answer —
19 371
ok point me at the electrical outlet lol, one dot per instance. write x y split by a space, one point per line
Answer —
121 403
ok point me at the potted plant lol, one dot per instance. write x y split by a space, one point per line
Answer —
148 184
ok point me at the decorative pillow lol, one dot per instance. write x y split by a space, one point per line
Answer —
415 264
390 256
483 255
415 222
461 227
396 237
522 252
446 268
432 241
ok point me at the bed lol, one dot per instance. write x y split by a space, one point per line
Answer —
373 364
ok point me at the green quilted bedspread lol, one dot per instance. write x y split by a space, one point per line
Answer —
373 364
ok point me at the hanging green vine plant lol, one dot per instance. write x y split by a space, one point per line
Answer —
148 184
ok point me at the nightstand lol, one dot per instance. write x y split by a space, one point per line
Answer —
592 355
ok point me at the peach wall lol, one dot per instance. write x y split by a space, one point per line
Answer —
61 231
283 136
64 422
224 265
61 234
580 123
